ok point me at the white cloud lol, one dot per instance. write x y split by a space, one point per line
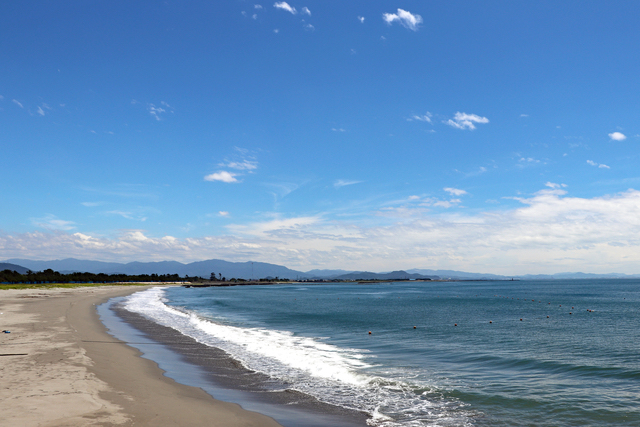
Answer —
257 6
51 222
15 101
338 130
309 27
223 213
157 112
285 6
361 19
276 30
406 19
554 185
466 121
548 232
305 11
524 115
223 176
425 118
617 136
343 183
128 215
601 166
454 191
246 165
40 111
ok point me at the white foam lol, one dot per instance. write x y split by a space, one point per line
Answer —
332 374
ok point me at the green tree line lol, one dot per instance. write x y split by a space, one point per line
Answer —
50 276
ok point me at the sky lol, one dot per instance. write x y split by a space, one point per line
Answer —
497 136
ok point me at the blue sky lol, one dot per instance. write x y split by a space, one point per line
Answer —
494 136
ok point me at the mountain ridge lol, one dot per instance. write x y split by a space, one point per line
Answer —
255 270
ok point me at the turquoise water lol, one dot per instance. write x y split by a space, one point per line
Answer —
556 353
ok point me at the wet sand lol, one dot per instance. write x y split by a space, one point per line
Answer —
60 367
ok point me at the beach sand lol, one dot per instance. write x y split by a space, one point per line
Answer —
60 367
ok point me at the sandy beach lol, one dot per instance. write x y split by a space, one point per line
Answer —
60 367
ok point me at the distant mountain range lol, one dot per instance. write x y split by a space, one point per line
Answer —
256 270
13 267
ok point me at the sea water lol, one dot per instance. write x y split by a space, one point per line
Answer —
485 353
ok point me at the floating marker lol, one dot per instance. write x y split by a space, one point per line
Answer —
455 324
369 332
490 321
414 327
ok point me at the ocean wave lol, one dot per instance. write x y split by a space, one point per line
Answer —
340 376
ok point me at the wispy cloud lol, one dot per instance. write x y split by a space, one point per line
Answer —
361 19
285 6
466 121
158 112
549 231
600 165
617 136
424 118
18 103
406 19
222 176
51 222
455 191
223 213
305 11
344 182
128 215
40 111
243 165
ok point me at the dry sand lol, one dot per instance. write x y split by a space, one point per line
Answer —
59 367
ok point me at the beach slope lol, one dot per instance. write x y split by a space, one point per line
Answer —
60 367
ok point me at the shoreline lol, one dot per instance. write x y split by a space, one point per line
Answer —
60 367
190 362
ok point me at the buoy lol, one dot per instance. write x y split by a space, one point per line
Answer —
455 324
547 317
521 320
369 332
571 308
490 321
570 313
414 327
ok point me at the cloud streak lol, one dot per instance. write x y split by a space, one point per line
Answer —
466 121
549 232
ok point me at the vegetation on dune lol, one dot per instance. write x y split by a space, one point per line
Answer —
48 278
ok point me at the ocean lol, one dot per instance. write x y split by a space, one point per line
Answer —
475 353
